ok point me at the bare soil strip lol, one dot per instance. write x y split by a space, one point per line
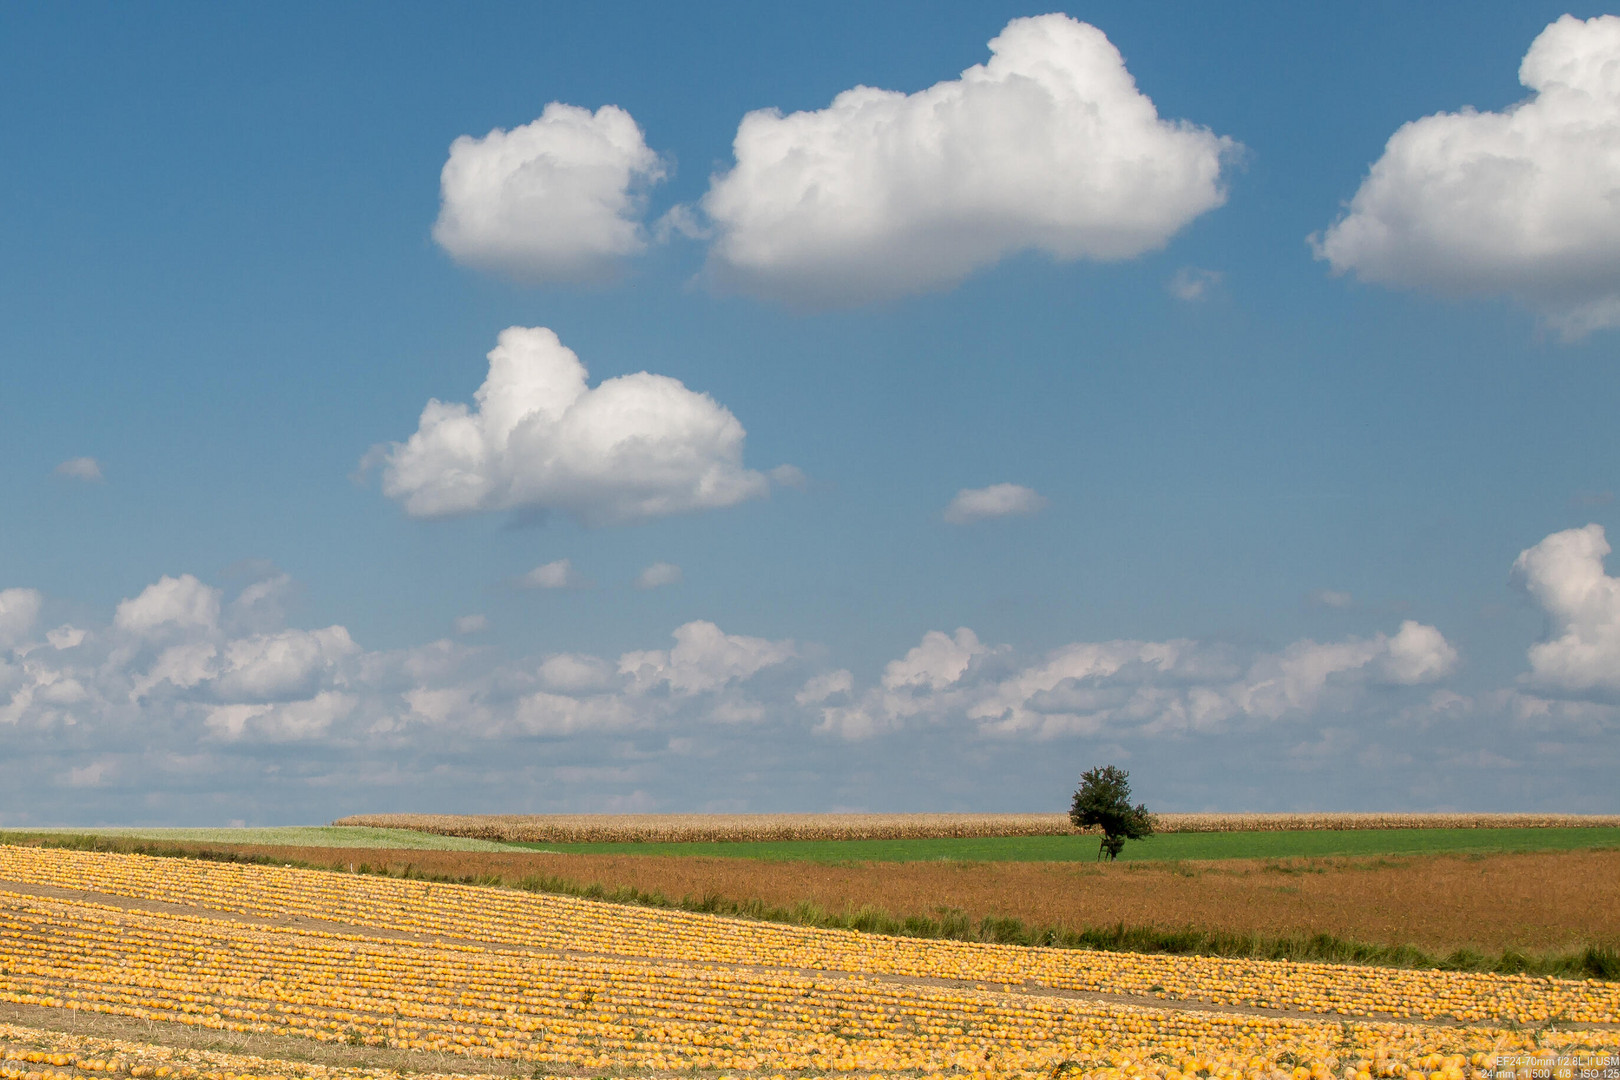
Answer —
119 1027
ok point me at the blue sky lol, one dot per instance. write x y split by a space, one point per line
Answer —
1239 510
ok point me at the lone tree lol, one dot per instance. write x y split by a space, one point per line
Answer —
1104 800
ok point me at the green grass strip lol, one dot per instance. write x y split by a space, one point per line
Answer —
1315 843
1593 962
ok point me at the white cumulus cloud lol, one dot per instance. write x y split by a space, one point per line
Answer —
1519 203
65 636
1298 678
1564 574
558 574
281 666
1048 146
997 500
561 714
635 447
936 663
1416 654
260 714
171 602
262 604
1119 688
826 685
570 673
704 658
308 718
553 200
285 665
169 658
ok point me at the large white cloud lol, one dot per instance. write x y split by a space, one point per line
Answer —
168 663
289 723
553 200
45 693
635 447
1564 574
1048 146
1118 688
281 666
700 681
1300 676
1519 203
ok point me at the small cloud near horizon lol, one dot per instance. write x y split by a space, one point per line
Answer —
1192 283
997 500
87 469
658 575
554 575
789 476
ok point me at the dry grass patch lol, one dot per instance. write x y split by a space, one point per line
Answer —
681 828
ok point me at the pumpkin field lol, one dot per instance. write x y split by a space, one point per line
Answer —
131 965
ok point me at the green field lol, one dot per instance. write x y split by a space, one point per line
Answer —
290 836
1167 846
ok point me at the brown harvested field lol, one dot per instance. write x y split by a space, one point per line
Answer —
677 828
1542 902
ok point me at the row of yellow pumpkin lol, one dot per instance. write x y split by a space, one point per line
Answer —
595 1011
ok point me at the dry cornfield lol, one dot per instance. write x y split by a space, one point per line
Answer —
507 982
678 828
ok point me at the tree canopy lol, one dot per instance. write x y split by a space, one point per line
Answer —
1103 800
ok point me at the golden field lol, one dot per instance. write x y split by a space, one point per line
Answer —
678 828
446 978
